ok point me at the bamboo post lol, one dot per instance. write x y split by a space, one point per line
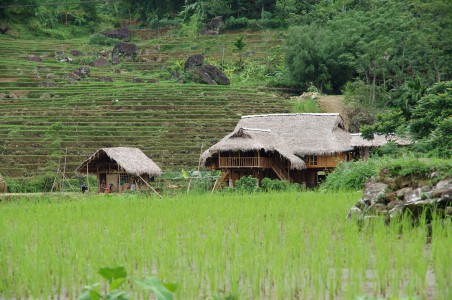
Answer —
64 171
150 186
87 178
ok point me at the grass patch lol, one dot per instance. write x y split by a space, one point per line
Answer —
251 245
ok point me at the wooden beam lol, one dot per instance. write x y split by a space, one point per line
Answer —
150 186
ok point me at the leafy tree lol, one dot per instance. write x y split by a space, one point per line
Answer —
239 45
387 124
433 112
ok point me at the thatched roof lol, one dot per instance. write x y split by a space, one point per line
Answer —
379 140
291 135
132 160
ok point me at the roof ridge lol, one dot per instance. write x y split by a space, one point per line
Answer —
289 114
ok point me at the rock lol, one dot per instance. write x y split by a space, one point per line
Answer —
73 76
3 95
208 74
137 80
34 58
216 74
153 81
45 96
126 50
396 211
214 25
83 72
401 193
412 196
76 53
444 184
377 208
354 212
4 28
47 84
194 61
115 61
361 204
374 192
105 78
389 197
121 33
395 203
446 197
100 62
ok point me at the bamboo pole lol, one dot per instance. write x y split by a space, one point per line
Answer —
150 186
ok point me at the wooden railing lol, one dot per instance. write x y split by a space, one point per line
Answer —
244 162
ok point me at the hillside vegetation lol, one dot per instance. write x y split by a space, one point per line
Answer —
44 113
391 61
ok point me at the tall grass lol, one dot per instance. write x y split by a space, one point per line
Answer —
267 245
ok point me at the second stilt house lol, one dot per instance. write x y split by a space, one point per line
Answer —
120 169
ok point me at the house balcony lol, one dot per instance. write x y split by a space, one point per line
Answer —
244 162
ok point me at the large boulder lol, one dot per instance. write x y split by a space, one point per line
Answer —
417 201
200 73
100 62
83 72
193 62
125 50
121 33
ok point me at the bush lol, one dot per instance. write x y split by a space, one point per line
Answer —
352 175
423 167
100 39
246 184
268 184
233 24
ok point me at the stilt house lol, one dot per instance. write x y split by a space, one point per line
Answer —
294 147
120 169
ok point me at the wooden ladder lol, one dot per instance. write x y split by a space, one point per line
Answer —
220 181
282 173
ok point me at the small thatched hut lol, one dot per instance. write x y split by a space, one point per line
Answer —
294 147
363 147
120 169
3 185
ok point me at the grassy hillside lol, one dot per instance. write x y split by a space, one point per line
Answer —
42 113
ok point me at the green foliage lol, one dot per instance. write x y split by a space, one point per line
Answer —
246 184
419 167
116 277
432 118
387 124
191 29
352 175
306 106
100 39
239 45
162 291
268 184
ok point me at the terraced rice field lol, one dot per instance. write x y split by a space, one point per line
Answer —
43 114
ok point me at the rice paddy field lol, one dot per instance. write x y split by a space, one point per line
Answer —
287 245
46 117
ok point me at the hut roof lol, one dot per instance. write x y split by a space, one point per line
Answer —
292 135
132 160
357 140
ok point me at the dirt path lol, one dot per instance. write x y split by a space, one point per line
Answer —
332 104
